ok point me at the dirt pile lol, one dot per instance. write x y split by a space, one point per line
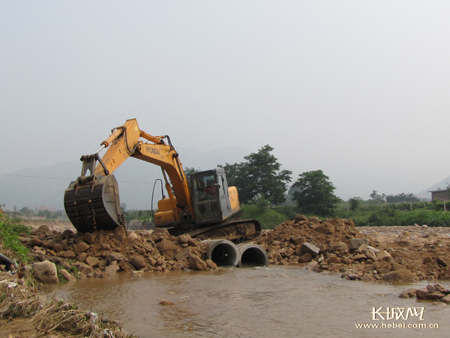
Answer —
335 245
104 253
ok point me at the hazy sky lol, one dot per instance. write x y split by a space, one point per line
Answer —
359 89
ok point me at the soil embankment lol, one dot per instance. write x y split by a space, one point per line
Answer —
368 253
336 245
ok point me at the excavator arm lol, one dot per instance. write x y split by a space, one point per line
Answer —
92 201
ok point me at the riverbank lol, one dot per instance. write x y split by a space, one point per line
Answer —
366 253
24 312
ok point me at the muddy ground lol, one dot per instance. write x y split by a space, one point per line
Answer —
365 253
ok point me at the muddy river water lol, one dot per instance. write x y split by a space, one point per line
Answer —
257 302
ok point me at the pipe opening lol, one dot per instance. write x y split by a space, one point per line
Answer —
252 255
223 253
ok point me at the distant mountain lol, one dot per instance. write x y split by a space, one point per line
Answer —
35 187
442 185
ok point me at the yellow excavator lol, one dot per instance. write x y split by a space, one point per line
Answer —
201 207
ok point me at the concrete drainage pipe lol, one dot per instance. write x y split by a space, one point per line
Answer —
222 252
252 255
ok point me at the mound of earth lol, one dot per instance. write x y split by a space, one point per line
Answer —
103 253
335 245
371 253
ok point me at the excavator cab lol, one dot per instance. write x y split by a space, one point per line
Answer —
211 197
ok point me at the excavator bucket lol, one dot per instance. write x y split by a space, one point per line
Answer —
92 203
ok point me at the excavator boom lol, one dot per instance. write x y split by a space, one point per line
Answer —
92 201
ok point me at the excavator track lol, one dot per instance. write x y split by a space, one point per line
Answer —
236 231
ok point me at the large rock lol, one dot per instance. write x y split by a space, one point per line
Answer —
36 242
425 294
333 260
48 244
184 238
92 261
355 243
370 254
67 275
384 256
67 233
111 270
340 247
363 248
82 257
67 254
310 248
298 239
132 235
307 257
359 257
196 263
45 272
167 248
410 293
138 262
160 234
90 237
184 254
120 233
446 300
441 289
402 275
81 247
211 264
115 256
299 218
84 268
57 247
367 278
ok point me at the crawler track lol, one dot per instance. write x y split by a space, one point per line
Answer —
236 231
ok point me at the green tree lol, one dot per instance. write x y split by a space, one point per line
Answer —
233 173
260 177
402 198
314 193
376 197
188 171
355 202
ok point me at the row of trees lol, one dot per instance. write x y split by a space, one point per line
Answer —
260 180
29 213
400 198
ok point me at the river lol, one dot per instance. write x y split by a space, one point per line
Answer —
255 302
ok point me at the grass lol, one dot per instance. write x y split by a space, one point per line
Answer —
9 235
404 214
268 218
